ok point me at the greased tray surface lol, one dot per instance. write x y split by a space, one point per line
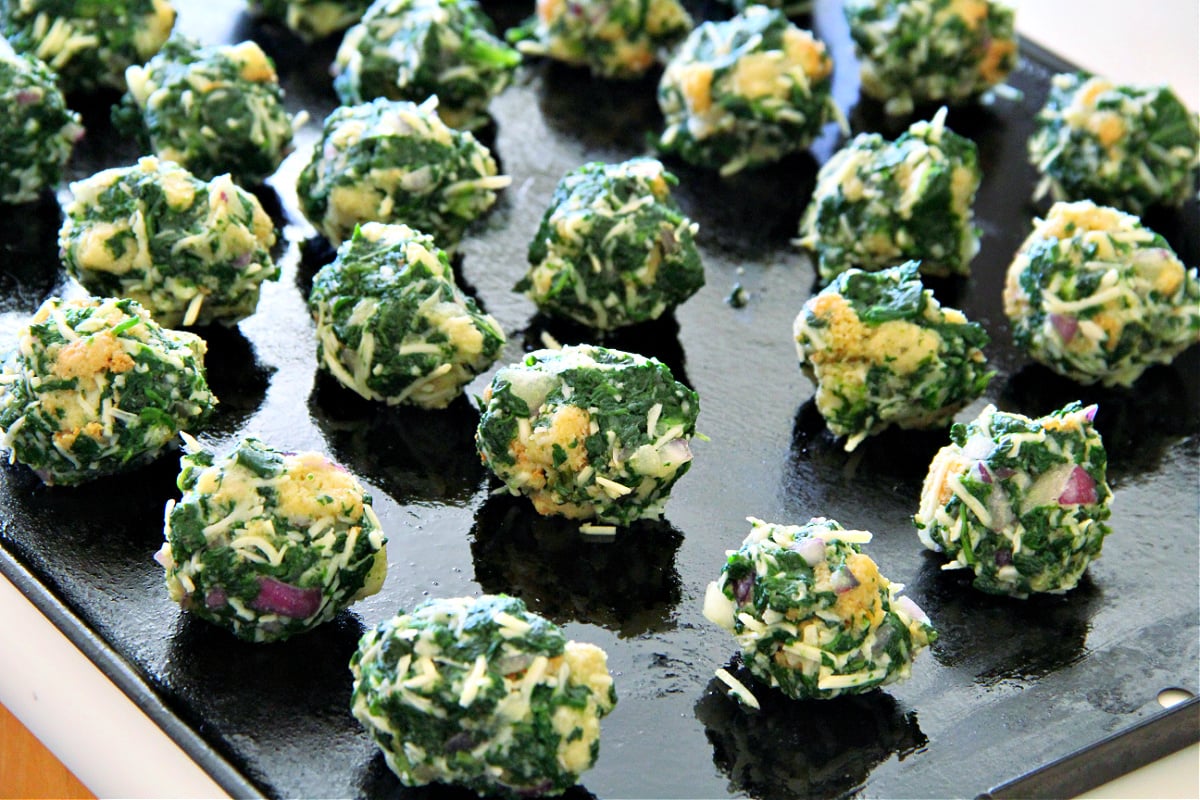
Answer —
1010 685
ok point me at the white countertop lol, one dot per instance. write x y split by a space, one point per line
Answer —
117 751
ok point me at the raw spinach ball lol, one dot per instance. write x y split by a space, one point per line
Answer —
37 131
394 161
88 44
269 544
96 387
878 203
214 110
613 248
931 51
1020 502
884 352
745 92
413 49
311 19
1096 296
190 252
612 38
483 693
811 613
1130 147
392 324
588 433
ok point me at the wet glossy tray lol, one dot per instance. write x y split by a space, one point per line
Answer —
1009 687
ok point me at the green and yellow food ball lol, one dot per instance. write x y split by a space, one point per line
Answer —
190 252
1096 296
613 249
397 162
215 110
482 693
37 132
88 44
392 324
612 38
878 203
1020 502
884 352
269 544
588 433
96 387
414 49
311 19
914 52
745 92
1129 147
811 612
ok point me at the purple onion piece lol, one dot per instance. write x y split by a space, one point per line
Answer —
458 742
1089 413
743 588
984 475
1066 327
277 597
1079 490
909 606
28 96
843 580
216 598
811 549
1003 557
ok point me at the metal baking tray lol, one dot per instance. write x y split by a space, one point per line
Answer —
1024 697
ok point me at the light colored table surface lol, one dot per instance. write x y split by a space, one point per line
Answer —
117 751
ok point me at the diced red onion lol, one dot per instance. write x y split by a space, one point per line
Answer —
1089 413
216 598
909 606
1080 489
1003 557
676 451
281 598
1066 327
843 579
984 475
743 588
459 741
811 549
28 96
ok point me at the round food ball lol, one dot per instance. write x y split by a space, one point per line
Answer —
812 614
588 433
37 130
412 49
745 92
878 203
884 352
1129 147
1096 296
392 325
96 387
190 252
214 110
613 248
612 38
483 693
269 544
311 19
1021 502
931 51
393 161
88 44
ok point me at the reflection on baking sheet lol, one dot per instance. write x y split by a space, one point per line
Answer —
803 748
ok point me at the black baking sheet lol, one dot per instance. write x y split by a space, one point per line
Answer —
1010 686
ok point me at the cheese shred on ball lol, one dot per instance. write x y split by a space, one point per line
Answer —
811 612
